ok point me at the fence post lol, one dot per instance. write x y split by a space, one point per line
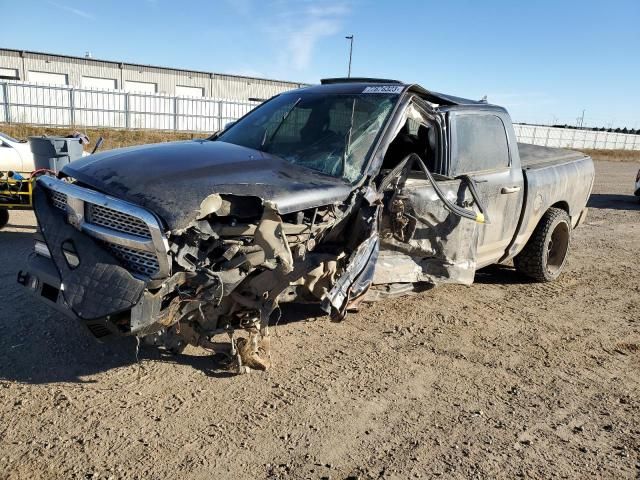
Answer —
533 137
126 110
7 107
175 113
220 127
72 110
546 140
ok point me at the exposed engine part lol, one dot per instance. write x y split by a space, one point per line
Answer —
231 276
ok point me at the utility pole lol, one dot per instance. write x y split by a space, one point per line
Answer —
350 38
582 119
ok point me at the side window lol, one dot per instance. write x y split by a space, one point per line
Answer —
481 144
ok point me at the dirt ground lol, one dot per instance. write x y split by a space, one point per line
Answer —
502 379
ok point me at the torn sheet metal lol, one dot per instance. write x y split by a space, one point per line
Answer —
270 237
355 279
422 241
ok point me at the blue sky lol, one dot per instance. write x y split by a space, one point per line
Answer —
545 61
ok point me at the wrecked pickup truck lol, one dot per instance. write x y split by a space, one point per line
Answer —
348 191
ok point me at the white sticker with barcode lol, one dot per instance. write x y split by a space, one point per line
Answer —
384 89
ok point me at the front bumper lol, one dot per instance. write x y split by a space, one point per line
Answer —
97 258
42 281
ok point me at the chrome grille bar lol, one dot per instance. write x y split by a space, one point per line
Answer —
115 220
131 233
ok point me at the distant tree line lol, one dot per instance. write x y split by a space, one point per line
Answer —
630 131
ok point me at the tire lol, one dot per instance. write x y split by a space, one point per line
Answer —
4 217
545 254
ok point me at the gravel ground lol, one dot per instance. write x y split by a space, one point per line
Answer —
502 379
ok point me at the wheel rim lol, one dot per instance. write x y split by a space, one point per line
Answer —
557 247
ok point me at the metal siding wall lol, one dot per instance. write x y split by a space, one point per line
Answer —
166 79
239 88
191 79
215 85
74 69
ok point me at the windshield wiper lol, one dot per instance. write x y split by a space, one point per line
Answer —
284 117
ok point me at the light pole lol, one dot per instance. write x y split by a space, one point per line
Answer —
350 38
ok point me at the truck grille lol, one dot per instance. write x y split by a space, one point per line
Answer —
59 200
140 262
121 222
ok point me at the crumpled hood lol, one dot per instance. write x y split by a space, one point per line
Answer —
172 179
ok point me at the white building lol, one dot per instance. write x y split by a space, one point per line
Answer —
86 72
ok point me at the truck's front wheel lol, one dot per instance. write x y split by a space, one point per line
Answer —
4 217
545 254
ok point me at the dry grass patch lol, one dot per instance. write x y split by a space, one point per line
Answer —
614 155
113 138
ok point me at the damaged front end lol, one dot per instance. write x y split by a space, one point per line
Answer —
113 266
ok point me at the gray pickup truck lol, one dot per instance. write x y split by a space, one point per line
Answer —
348 191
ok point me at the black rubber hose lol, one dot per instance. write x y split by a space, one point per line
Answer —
479 217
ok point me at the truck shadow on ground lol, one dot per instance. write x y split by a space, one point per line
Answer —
501 275
219 364
51 348
614 201
40 346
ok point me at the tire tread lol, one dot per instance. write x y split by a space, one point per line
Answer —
530 261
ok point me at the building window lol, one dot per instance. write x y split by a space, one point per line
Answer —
97 82
140 87
183 91
48 78
9 74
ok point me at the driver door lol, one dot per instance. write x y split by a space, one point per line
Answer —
481 150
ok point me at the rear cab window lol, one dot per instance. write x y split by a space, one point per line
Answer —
480 144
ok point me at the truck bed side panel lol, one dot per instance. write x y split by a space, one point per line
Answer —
565 183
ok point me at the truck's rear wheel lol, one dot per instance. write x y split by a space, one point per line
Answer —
4 217
545 254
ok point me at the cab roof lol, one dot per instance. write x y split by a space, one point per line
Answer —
356 85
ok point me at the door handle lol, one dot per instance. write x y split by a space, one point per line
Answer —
506 190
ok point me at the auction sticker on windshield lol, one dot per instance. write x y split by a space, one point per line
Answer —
384 89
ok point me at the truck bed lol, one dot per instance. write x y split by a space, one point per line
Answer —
532 156
554 177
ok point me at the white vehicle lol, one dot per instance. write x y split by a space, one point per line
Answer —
15 155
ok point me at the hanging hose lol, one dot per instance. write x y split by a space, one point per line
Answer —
480 217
